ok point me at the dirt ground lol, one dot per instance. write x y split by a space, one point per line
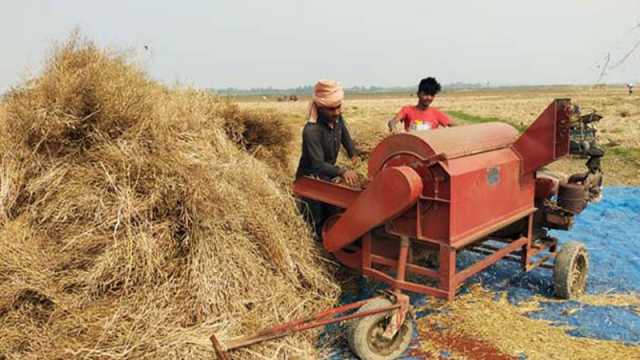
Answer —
475 323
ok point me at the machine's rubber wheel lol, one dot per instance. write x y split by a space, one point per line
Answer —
365 334
570 270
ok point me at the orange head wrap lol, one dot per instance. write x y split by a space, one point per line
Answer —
327 93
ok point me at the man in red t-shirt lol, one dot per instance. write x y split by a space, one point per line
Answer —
422 116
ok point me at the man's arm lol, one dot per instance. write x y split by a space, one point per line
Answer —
396 119
312 143
349 176
347 142
445 120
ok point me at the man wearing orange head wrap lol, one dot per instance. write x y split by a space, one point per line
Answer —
327 94
322 136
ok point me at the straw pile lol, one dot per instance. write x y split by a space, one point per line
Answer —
133 224
262 133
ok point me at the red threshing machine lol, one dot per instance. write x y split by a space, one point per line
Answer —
432 195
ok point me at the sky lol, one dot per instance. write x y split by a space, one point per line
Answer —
288 43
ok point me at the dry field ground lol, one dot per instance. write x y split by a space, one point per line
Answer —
619 130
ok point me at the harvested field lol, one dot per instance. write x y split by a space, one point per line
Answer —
136 219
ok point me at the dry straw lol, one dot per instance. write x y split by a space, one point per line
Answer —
134 220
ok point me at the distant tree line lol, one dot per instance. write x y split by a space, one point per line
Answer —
308 90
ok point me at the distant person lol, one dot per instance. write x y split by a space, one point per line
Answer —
322 136
422 116
630 88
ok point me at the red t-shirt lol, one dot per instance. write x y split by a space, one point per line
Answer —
415 119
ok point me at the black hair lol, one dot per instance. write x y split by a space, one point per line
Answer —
429 86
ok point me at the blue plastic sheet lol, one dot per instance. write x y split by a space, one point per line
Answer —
600 322
611 231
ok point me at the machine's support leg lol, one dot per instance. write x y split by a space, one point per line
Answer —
366 251
526 249
448 270
399 315
402 258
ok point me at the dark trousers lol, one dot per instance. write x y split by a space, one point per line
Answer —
315 214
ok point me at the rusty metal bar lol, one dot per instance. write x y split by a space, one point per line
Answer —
404 285
512 257
527 250
411 268
541 263
489 260
320 315
483 251
235 344
402 259
534 250
502 240
317 320
327 192
486 247
447 278
366 250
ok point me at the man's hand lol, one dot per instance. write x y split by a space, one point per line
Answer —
391 124
350 177
354 160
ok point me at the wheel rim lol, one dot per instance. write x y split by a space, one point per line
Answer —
579 274
379 344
